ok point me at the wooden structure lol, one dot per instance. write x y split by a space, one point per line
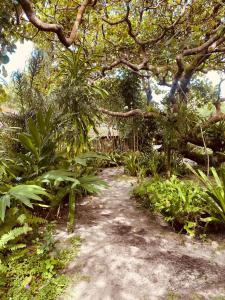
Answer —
107 139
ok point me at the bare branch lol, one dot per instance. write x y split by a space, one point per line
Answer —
56 28
136 68
219 33
142 66
131 113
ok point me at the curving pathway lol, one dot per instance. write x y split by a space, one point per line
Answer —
128 254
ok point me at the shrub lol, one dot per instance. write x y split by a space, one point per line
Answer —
34 272
182 203
111 159
141 165
214 195
133 163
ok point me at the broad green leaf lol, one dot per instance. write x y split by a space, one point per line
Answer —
4 202
34 132
27 143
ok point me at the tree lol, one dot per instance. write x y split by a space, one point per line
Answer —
171 42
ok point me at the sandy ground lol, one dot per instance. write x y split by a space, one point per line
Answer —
127 254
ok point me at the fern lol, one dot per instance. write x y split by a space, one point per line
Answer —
33 220
16 247
12 235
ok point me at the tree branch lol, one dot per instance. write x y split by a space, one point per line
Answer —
136 68
131 113
27 7
219 33
174 86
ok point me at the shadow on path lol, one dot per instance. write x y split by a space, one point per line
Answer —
128 255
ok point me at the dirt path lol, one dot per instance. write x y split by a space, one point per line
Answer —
128 255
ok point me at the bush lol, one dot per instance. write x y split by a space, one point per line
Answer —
214 194
37 178
141 165
182 203
34 272
111 159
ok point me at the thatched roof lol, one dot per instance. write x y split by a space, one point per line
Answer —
104 131
7 110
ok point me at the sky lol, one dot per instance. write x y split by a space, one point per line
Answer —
18 61
19 58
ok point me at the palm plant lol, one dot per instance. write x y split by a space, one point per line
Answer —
40 143
76 100
62 183
22 193
215 193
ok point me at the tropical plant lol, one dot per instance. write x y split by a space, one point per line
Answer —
35 271
133 163
182 203
62 183
215 193
40 162
22 193
75 99
40 144
144 164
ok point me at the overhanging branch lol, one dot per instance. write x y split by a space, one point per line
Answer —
131 113
27 7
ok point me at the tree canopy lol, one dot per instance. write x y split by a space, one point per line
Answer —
167 43
171 40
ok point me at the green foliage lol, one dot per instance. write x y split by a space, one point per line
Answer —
75 99
42 170
7 40
182 203
130 89
12 235
15 233
25 194
133 163
111 159
62 183
29 91
41 144
39 171
144 164
37 272
215 193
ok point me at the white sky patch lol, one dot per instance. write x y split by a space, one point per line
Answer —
18 61
19 58
215 78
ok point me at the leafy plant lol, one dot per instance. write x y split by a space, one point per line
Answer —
133 163
37 272
215 193
62 183
141 164
15 232
180 202
25 194
40 143
111 159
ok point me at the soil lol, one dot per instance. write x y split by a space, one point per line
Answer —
129 254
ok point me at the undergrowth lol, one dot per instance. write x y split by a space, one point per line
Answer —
182 203
187 205
35 272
